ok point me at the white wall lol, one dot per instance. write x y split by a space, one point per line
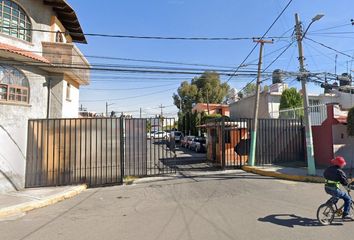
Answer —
343 145
13 131
70 106
40 15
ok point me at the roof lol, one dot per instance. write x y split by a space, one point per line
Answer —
68 18
341 119
22 52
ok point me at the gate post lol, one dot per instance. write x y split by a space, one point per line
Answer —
122 146
223 149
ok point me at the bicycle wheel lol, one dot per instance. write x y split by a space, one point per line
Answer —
325 214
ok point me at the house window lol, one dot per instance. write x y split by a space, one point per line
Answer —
14 21
14 86
314 105
68 91
59 37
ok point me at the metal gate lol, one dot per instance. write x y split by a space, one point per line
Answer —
97 151
278 141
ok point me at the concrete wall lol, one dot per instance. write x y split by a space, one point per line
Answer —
13 130
244 108
343 145
70 105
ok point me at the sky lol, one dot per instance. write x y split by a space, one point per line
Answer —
200 18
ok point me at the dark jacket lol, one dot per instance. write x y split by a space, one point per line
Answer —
334 173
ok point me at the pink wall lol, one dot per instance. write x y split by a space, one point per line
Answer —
323 139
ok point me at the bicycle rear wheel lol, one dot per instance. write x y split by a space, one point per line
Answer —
325 214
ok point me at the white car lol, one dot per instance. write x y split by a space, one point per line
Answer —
158 135
177 136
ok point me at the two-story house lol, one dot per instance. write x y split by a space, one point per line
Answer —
41 71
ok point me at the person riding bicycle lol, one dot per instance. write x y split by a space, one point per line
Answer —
335 177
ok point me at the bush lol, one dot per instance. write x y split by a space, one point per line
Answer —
351 122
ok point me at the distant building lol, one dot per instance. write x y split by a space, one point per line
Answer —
270 102
222 109
36 75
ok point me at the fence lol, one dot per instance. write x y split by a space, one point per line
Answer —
73 151
318 114
96 151
278 141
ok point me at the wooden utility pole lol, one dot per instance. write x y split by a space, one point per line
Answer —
256 105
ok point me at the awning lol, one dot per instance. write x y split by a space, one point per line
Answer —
68 18
22 54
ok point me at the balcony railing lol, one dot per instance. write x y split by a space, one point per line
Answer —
68 59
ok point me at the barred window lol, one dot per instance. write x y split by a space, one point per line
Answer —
14 21
14 85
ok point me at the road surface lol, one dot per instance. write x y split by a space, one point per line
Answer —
234 206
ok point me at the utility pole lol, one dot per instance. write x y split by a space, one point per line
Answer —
208 101
141 113
256 105
107 105
311 168
161 107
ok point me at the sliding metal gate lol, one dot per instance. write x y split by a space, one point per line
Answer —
97 151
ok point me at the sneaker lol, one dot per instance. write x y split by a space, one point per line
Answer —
348 217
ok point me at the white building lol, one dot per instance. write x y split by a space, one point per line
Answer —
270 102
36 76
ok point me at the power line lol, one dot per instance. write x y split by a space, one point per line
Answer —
269 65
144 37
124 89
137 96
328 47
263 36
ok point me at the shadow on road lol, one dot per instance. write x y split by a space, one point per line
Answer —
292 220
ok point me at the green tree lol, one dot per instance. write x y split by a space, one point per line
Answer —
350 126
250 89
203 89
290 98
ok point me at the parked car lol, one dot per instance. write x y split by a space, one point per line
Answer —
149 134
201 146
186 140
189 141
198 144
159 135
177 136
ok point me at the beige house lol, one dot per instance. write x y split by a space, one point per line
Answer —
37 77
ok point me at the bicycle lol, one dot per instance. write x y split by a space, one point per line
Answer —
326 212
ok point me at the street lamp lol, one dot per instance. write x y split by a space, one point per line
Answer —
314 19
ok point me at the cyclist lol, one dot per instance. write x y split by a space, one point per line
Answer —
335 177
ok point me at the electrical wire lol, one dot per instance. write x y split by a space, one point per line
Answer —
144 37
328 47
269 65
263 36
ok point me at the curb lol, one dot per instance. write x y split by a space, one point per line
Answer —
32 205
311 179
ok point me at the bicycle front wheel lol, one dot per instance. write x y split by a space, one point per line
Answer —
325 214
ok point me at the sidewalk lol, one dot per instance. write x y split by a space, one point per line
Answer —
15 203
287 173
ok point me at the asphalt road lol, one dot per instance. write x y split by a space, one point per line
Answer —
234 206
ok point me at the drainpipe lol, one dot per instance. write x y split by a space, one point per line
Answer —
48 99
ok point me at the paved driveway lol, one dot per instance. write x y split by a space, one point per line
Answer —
234 206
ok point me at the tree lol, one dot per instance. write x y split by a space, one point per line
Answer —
350 126
203 89
291 99
249 90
